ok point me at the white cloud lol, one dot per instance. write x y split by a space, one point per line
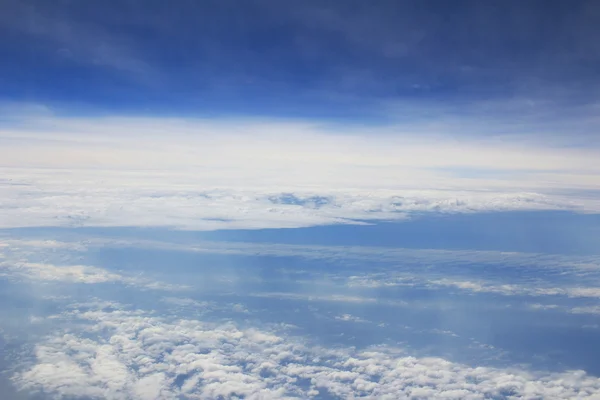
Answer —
133 355
16 257
586 310
349 318
101 199
257 174
316 297
573 310
186 302
537 306
78 274
474 286
516 289
67 273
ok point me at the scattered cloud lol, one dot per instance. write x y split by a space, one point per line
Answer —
122 354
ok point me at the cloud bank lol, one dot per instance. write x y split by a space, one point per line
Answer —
215 174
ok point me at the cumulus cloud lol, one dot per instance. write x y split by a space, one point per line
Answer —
125 354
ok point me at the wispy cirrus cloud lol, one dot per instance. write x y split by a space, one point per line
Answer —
65 38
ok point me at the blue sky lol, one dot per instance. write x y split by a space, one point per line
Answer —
329 60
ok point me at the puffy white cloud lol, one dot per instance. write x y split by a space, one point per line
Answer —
134 355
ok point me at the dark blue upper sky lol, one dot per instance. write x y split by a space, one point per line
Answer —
309 58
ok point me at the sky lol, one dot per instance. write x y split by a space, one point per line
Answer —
350 61
319 199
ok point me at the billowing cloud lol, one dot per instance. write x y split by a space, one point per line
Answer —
122 354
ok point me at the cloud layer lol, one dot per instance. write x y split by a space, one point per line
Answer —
214 174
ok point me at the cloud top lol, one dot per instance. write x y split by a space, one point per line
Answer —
123 354
215 174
